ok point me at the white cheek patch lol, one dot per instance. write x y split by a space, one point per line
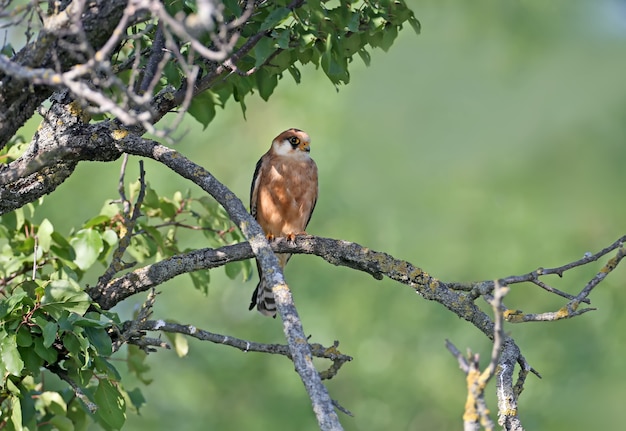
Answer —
284 148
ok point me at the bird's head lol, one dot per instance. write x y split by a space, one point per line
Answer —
292 143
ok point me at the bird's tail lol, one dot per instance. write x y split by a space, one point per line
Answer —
263 297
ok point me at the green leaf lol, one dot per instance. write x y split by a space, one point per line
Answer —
275 17
136 360
232 269
8 305
180 343
200 280
233 6
136 398
13 220
49 333
87 244
417 26
284 36
72 343
16 414
26 246
62 295
355 21
110 237
23 337
151 198
168 209
389 36
29 414
262 50
104 366
99 339
62 423
44 235
111 404
365 56
97 220
76 412
60 240
280 62
110 208
8 50
247 270
77 320
11 360
350 45
48 354
53 402
295 73
172 74
202 108
266 83
334 66
32 361
222 92
141 248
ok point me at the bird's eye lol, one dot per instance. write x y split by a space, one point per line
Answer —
294 141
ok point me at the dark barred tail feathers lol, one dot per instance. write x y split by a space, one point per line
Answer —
263 297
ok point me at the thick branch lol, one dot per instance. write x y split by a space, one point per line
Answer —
99 18
61 142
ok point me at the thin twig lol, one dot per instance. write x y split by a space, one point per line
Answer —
62 374
130 221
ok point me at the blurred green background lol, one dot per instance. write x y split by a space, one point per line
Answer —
490 145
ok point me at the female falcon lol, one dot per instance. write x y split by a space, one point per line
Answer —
282 199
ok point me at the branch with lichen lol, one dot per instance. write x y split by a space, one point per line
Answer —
476 412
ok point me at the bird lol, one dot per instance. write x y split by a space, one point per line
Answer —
283 195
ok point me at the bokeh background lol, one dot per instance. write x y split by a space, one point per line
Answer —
489 145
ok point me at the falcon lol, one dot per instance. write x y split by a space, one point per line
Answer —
282 199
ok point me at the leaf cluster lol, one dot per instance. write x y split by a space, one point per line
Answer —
284 35
313 33
50 323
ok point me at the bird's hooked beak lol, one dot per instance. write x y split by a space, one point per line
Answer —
305 146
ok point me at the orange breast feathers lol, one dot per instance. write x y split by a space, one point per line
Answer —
286 195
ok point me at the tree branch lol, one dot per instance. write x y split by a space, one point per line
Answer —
344 253
99 19
317 350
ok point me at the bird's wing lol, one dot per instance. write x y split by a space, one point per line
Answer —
254 187
313 198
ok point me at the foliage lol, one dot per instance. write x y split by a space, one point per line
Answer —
314 32
50 323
